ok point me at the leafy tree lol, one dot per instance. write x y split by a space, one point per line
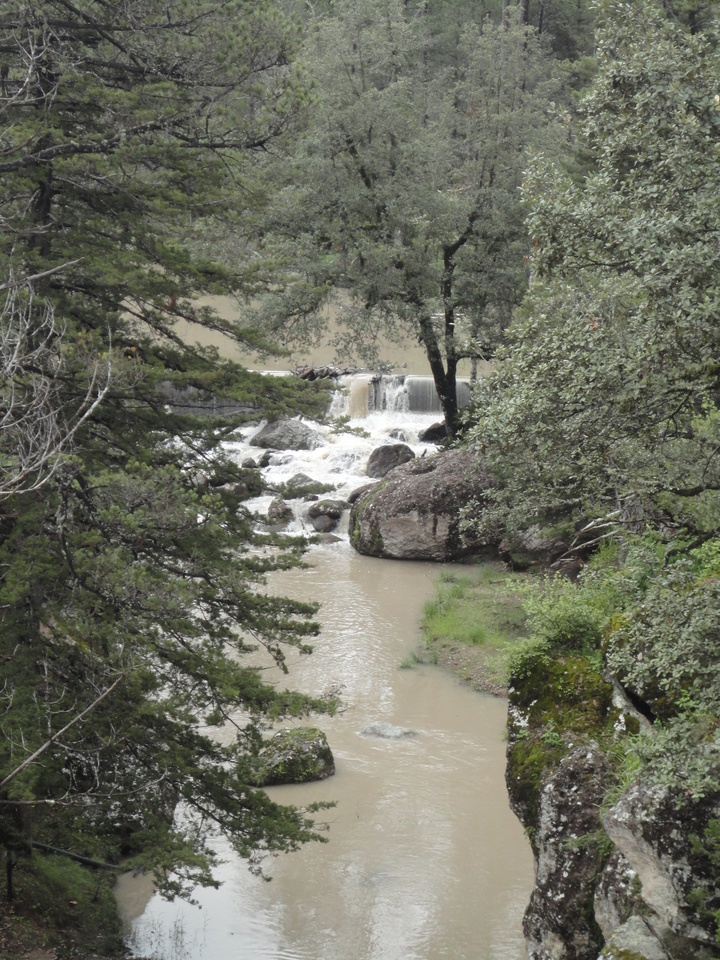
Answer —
605 402
403 194
131 582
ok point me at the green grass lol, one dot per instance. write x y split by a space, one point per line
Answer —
61 904
479 608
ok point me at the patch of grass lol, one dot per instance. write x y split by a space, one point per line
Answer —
474 622
62 905
412 660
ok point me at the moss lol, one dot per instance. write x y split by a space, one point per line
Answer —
632 725
553 701
291 491
568 692
616 953
376 541
295 756
527 760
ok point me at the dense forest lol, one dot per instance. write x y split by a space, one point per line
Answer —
537 185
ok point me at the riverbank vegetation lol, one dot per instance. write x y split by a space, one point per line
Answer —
370 153
130 573
474 623
600 427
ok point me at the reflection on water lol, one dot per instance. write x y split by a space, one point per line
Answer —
425 860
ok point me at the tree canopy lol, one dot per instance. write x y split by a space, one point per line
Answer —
605 402
131 580
403 193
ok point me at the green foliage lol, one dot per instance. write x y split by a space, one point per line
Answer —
403 193
683 757
132 581
704 898
73 907
567 616
706 558
603 404
665 648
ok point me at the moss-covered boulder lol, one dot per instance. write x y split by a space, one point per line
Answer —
295 756
555 701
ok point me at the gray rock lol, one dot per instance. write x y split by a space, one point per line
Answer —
295 756
279 511
415 513
360 491
435 433
301 485
654 833
616 894
530 547
325 514
287 435
385 458
559 919
386 731
323 523
328 508
636 939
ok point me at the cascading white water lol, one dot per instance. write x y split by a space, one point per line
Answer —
425 860
364 393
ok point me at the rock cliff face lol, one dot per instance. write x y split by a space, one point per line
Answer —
633 879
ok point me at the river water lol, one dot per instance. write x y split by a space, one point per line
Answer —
425 860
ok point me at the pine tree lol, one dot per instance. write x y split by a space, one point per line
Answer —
131 579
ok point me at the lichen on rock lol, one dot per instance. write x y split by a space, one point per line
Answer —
299 755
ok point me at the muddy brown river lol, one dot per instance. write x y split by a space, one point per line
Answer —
424 860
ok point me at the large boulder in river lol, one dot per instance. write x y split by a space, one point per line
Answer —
287 435
415 512
385 458
295 756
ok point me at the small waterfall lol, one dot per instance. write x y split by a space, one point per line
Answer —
388 393
367 393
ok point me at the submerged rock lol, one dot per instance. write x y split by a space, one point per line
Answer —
325 514
386 731
295 756
415 513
